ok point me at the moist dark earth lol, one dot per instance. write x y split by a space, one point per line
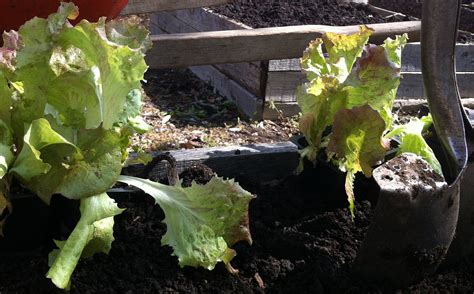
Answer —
413 8
269 13
304 242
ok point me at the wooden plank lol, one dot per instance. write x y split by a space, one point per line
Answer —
149 6
250 75
411 85
284 65
274 110
281 86
411 60
248 104
258 162
233 46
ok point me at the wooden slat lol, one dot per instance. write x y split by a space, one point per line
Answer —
249 105
281 86
149 6
233 46
254 163
411 85
411 60
248 75
272 111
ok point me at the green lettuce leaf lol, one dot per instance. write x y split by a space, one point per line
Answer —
357 143
343 50
319 103
128 32
411 140
78 71
92 234
6 145
374 80
202 221
41 138
353 80
353 74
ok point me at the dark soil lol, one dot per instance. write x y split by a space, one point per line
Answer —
413 8
269 13
303 243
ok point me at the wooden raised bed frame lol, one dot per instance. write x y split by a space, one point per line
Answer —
229 54
263 85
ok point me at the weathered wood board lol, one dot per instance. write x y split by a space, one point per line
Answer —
248 104
232 46
259 162
246 89
273 83
284 76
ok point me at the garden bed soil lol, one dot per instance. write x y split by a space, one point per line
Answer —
413 8
185 112
269 13
304 242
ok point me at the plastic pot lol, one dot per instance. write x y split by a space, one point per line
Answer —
14 13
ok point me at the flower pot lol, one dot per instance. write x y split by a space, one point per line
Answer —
13 13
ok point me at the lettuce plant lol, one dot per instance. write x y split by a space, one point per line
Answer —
350 92
70 98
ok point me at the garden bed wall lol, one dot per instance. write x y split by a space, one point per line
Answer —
258 87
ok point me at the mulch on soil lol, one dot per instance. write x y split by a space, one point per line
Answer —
185 112
269 13
304 242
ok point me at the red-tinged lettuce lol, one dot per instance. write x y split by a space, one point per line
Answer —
349 97
357 143
70 98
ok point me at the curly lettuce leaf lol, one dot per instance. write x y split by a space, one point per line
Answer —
128 32
343 50
411 140
352 77
357 143
92 234
374 80
50 164
394 48
82 74
202 221
38 140
353 74
318 111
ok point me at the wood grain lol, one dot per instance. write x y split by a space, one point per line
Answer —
258 162
233 46
249 75
248 104
149 6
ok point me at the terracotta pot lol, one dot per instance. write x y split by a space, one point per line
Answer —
13 13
